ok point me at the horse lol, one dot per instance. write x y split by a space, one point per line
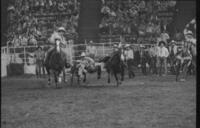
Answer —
114 65
55 62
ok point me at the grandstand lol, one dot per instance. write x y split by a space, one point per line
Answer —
30 23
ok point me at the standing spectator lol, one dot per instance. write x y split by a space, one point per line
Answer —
143 60
172 52
162 57
91 50
129 59
153 59
39 56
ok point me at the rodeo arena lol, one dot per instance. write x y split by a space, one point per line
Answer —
98 64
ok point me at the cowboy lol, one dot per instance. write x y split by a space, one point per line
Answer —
184 57
39 56
163 53
143 59
91 50
87 64
129 56
59 35
172 52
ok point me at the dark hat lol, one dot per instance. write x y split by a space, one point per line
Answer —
161 42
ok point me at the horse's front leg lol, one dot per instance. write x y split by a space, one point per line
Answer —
64 76
98 72
122 75
56 79
84 79
116 78
108 71
49 77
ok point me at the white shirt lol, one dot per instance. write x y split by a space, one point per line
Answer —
163 52
129 54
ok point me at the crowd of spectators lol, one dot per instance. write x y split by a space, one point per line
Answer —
134 17
30 21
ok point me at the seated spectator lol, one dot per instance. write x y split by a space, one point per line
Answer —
32 40
24 40
164 36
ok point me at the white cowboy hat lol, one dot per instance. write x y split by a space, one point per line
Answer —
83 54
127 45
189 33
173 41
115 45
61 29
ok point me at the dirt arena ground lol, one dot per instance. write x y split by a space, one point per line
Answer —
142 102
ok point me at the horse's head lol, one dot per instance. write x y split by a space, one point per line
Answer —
58 45
122 56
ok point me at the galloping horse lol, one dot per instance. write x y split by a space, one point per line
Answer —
114 65
55 62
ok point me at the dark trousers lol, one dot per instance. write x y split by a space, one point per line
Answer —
162 62
130 68
143 66
153 67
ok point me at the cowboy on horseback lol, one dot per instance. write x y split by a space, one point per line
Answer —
183 58
59 35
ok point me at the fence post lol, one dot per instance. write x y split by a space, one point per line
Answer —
103 50
25 56
14 59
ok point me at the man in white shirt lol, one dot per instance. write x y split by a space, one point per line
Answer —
163 53
129 56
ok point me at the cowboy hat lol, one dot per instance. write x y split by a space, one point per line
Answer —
115 45
189 33
61 29
127 45
90 42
